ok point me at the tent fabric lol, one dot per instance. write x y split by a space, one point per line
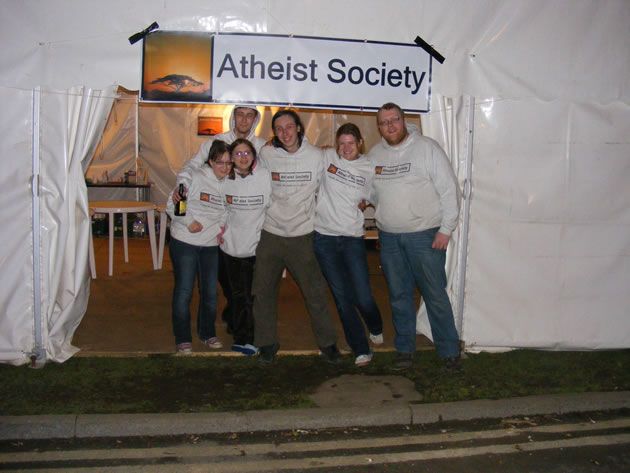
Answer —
453 132
74 122
115 153
548 247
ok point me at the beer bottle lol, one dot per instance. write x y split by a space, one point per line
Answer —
180 207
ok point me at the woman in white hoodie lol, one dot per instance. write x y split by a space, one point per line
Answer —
247 195
338 240
194 249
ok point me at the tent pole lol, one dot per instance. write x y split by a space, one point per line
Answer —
38 355
463 256
137 140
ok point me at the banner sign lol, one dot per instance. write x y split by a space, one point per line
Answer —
284 70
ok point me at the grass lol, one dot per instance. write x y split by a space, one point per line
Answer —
169 384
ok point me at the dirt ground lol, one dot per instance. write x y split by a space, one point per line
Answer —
130 312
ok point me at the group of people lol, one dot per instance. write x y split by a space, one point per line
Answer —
254 209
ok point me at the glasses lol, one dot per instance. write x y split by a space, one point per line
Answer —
391 121
223 163
241 153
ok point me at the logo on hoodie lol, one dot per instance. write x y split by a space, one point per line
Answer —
392 170
301 176
211 198
346 176
245 201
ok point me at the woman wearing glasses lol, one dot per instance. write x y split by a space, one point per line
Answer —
194 249
247 192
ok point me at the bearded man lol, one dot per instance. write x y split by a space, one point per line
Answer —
416 198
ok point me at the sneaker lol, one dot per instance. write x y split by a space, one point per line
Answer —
376 339
402 361
213 342
267 353
363 360
453 364
246 348
332 355
183 348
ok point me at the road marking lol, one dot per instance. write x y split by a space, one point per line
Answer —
264 457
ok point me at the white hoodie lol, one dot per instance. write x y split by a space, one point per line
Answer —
205 205
246 200
201 158
344 185
294 182
414 186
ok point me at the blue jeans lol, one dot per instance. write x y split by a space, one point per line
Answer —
344 263
190 262
408 258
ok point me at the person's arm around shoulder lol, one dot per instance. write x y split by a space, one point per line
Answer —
322 160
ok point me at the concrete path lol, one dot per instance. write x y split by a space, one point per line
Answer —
377 401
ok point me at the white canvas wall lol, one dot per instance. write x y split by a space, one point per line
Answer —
549 244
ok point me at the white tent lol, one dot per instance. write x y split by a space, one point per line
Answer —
536 94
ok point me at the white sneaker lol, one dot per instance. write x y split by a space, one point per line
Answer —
213 342
363 360
376 339
184 348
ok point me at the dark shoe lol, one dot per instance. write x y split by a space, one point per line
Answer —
402 361
267 353
453 364
332 355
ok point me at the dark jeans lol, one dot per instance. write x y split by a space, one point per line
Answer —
408 260
240 272
344 263
190 262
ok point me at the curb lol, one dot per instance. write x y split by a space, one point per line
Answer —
134 425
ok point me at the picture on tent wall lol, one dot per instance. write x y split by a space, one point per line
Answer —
209 126
176 67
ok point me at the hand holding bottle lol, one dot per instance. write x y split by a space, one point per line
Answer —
180 205
177 196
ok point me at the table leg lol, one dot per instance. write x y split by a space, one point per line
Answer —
151 220
91 254
163 223
111 243
125 237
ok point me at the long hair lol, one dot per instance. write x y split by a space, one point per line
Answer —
252 150
298 123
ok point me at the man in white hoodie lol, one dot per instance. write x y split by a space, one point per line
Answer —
416 197
243 122
287 238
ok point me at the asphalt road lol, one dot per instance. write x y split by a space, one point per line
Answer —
585 442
